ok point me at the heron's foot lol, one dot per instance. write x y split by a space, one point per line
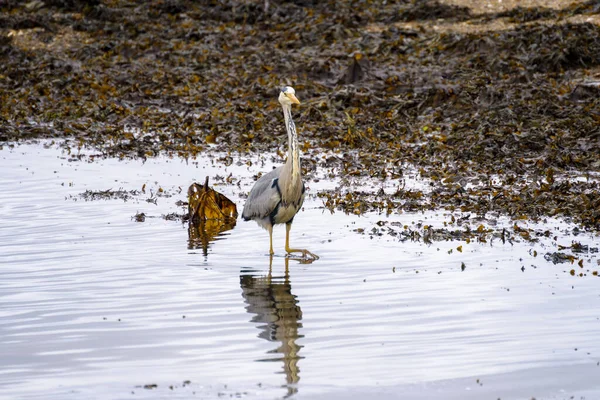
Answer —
305 253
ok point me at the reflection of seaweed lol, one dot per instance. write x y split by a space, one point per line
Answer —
201 234
271 301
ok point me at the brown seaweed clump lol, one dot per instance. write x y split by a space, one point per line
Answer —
205 203
210 214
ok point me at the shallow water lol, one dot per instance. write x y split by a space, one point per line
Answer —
96 305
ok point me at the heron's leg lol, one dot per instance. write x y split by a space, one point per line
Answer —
304 252
270 229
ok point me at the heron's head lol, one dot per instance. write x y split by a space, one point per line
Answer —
288 96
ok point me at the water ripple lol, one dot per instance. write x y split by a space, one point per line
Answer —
97 303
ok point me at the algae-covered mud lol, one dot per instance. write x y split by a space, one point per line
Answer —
497 105
450 151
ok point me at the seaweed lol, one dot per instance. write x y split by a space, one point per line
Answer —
496 120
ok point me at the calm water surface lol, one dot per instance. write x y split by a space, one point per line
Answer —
98 306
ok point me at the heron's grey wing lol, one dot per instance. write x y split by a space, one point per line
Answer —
263 197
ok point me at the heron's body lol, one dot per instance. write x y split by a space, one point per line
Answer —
278 195
268 205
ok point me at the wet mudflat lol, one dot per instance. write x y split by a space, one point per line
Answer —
99 305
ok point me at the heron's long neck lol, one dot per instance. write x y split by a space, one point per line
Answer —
293 151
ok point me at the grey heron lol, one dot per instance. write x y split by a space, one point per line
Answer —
278 195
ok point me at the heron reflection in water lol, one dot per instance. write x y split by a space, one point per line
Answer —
269 298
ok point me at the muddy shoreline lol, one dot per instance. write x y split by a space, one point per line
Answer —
499 111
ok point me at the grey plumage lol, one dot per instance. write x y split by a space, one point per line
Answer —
262 200
278 195
273 199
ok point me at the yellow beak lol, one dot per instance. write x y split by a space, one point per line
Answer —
293 98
